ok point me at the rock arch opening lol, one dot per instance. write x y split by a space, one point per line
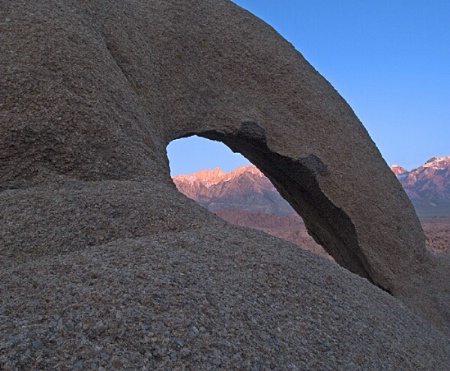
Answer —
206 170
296 181
191 154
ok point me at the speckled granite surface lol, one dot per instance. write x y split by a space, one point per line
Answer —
104 265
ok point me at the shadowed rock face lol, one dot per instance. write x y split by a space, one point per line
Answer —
92 93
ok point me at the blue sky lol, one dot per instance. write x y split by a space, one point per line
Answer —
390 60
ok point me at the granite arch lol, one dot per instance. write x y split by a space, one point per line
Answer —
296 181
94 92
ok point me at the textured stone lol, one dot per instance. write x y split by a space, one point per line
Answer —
105 264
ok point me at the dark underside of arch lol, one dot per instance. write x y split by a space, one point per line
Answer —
296 180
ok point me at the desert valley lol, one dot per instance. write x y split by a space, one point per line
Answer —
245 197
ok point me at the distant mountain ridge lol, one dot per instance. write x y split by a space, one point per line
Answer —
247 189
245 197
428 186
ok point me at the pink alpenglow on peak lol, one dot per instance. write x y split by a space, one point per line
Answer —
245 188
205 177
398 170
438 162
215 176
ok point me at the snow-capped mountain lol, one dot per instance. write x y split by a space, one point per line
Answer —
428 186
245 197
398 170
431 181
245 188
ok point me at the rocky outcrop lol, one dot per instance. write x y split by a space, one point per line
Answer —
290 228
106 264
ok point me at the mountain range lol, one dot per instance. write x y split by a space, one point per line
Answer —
245 197
428 186
247 189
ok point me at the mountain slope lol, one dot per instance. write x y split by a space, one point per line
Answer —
245 188
428 186
245 197
398 170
